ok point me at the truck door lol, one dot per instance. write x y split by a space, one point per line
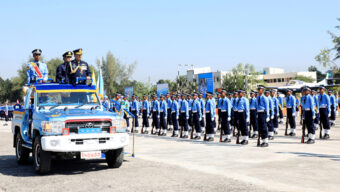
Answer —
26 119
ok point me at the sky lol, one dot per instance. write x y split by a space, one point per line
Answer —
159 35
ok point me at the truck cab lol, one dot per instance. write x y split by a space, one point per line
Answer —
66 121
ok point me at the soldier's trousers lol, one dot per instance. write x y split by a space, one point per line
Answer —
235 122
275 120
127 120
202 120
309 122
155 120
317 116
145 119
190 122
174 121
262 124
324 118
162 120
184 121
169 117
333 113
136 118
280 113
291 118
253 119
224 123
196 122
209 127
219 115
242 123
232 117
270 123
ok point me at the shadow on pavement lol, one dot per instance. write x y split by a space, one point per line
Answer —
302 154
9 166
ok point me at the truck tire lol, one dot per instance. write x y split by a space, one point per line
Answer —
22 154
41 158
114 158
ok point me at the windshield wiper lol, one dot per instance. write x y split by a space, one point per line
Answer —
55 106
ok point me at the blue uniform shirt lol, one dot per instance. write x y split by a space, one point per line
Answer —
209 108
252 103
202 102
184 107
234 104
333 101
307 102
146 106
243 105
168 102
291 103
226 106
262 104
156 107
33 75
196 107
219 103
174 108
190 103
276 105
134 105
324 102
163 107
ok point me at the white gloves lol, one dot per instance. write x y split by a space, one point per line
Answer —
314 117
158 116
293 114
267 120
272 117
200 119
187 117
248 120
277 114
176 117
212 119
166 118
229 118
329 115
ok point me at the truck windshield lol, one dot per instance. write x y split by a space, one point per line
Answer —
68 99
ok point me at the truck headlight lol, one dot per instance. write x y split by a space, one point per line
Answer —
52 126
120 125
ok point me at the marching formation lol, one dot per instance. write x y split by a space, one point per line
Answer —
231 113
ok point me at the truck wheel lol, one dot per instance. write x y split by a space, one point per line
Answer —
114 158
21 153
42 159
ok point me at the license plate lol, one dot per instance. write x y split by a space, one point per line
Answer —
91 155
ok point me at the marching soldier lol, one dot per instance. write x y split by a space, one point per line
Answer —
325 112
271 112
309 115
61 75
36 70
334 107
225 107
210 118
253 114
202 103
179 102
190 111
242 107
219 100
169 120
280 102
155 109
276 111
196 116
174 115
134 111
291 107
145 115
78 69
263 116
316 108
184 115
163 115
234 109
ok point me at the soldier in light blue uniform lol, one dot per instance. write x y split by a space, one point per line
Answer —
196 116
276 111
6 113
309 114
210 108
163 115
174 115
36 69
184 116
253 114
225 114
134 110
234 109
190 111
219 100
169 119
155 109
263 116
316 108
202 102
280 102
325 112
291 107
145 114
242 108
126 106
115 106
334 107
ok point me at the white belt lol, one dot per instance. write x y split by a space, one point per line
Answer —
253 109
289 106
194 111
240 111
207 111
162 110
323 106
307 109
173 111
261 110
223 110
182 111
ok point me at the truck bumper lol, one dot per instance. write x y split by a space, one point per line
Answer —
84 142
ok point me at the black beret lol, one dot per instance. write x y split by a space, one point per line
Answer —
78 51
68 54
36 51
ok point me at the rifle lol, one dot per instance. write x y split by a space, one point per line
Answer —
153 126
303 131
320 136
142 131
286 131
258 139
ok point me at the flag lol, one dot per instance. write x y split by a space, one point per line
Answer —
100 84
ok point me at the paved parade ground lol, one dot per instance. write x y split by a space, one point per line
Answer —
167 164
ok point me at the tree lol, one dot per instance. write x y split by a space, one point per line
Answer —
115 74
319 75
242 77
304 78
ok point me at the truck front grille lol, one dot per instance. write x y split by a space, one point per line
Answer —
75 126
